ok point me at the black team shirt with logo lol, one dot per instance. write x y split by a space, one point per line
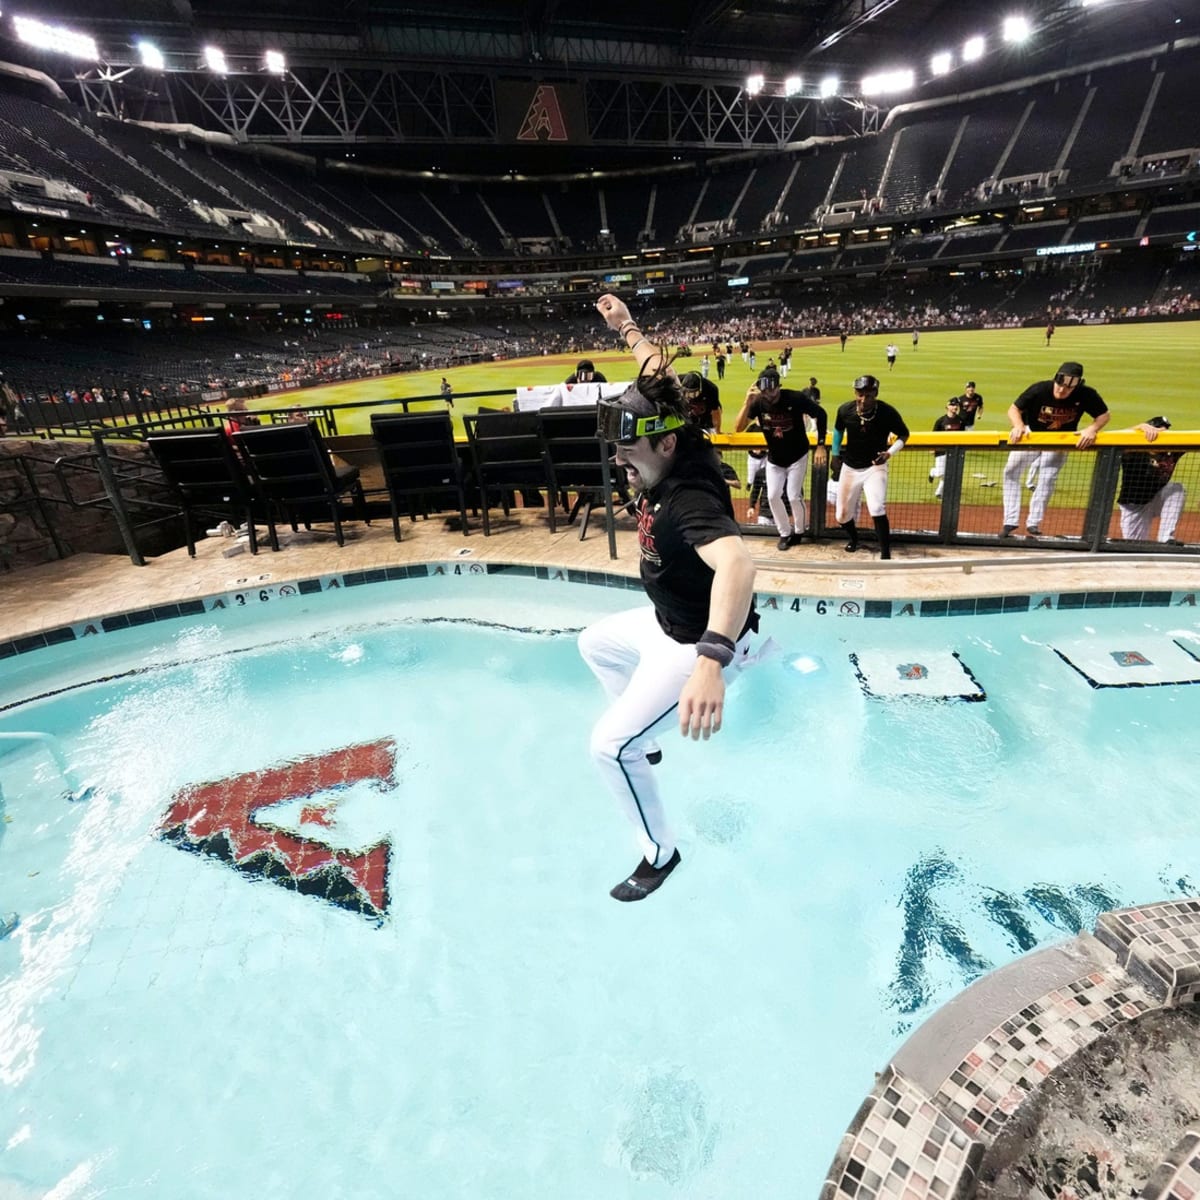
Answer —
864 440
783 425
689 508
1044 414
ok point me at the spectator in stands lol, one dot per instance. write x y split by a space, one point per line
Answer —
447 391
866 436
1147 490
665 660
970 405
1050 406
951 421
585 372
780 412
892 351
703 401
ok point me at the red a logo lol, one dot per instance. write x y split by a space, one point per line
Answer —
218 820
544 118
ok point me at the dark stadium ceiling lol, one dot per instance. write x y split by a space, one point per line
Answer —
707 42
689 36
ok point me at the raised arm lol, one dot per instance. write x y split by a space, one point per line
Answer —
616 316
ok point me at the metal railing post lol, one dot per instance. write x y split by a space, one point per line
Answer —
113 491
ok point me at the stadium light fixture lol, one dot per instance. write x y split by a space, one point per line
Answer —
887 81
829 86
1016 29
941 62
754 85
55 37
152 56
275 62
792 85
973 49
214 59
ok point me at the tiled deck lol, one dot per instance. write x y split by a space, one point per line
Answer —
89 585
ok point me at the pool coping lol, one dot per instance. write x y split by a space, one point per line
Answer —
262 588
950 1090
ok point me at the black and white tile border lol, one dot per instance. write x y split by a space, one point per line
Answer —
265 592
951 1088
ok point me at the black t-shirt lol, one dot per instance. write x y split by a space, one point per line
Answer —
863 441
701 409
1144 473
947 424
689 508
968 408
783 425
1043 414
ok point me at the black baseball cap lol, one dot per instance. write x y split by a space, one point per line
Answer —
691 382
866 383
585 364
953 400
1071 370
1159 422
970 383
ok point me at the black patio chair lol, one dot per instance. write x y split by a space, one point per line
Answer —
292 470
577 460
420 462
506 452
203 471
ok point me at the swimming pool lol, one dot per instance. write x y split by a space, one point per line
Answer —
485 1020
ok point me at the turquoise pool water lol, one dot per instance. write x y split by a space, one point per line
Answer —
488 1022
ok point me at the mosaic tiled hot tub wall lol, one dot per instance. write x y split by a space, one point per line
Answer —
263 588
947 1094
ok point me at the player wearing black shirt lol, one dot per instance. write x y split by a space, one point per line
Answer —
666 658
950 422
780 413
866 436
1051 406
1147 490
970 405
703 400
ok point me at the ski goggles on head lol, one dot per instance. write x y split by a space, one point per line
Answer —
620 425
1067 381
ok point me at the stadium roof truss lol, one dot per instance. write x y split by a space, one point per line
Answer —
400 104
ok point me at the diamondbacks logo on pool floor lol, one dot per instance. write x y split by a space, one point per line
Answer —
225 819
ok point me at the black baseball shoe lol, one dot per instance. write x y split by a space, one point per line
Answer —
784 543
796 539
1033 531
644 880
1008 531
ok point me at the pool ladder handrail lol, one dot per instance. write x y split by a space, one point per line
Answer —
75 789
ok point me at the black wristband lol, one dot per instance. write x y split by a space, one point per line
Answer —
716 646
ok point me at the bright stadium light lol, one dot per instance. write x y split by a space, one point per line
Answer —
1016 29
276 63
887 81
55 37
754 85
941 62
829 86
973 48
152 56
214 59
792 85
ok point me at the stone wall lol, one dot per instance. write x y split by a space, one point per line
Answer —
25 525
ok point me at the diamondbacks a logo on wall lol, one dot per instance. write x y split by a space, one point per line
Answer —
299 844
543 119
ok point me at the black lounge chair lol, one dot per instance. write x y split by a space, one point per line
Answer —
293 472
203 471
420 462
